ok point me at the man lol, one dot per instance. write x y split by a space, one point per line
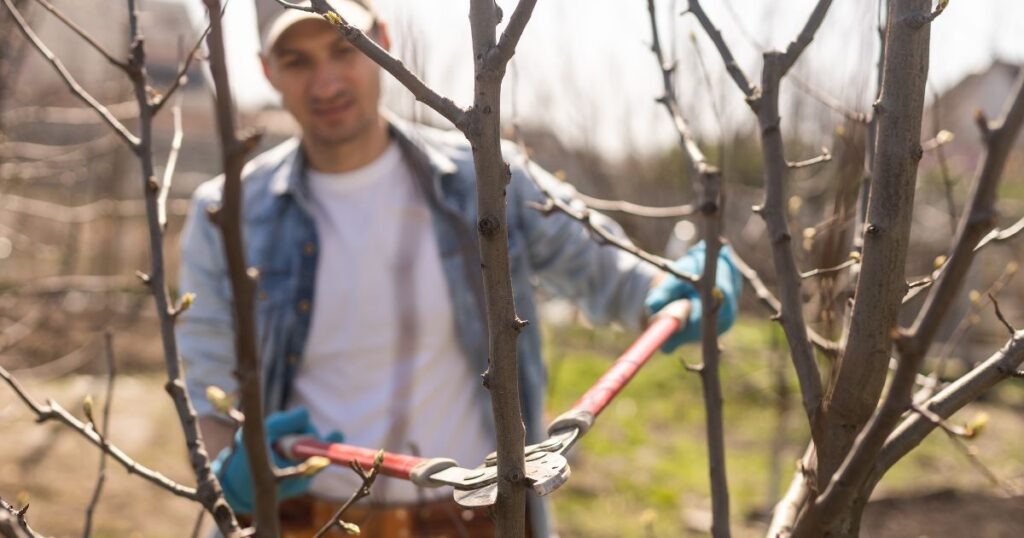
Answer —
370 304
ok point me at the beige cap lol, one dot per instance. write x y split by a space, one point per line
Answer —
358 13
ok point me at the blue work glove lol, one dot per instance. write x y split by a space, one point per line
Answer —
729 281
232 465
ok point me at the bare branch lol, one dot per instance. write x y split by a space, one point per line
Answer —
13 524
583 217
120 64
1000 366
731 66
861 371
172 162
999 314
774 213
423 93
999 235
828 270
710 186
827 100
108 353
506 46
243 290
182 77
823 158
69 80
53 411
368 477
768 299
622 206
977 221
796 48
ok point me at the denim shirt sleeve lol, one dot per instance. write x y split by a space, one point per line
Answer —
205 331
607 283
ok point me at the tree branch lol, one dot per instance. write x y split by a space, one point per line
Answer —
423 93
769 300
368 478
622 206
506 46
731 66
123 66
53 411
710 185
861 371
977 221
69 80
998 367
108 353
228 218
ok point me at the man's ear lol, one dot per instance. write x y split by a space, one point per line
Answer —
265 62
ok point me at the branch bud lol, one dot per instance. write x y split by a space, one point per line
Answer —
976 425
87 408
314 465
220 399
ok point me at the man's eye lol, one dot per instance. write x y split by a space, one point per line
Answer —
295 63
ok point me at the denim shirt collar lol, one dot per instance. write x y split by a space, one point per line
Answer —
290 173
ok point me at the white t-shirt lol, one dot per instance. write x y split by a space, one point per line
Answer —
382 362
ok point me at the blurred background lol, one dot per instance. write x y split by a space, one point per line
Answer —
583 87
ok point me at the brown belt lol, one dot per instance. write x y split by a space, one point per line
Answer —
303 516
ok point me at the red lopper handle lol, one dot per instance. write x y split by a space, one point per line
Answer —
394 465
626 366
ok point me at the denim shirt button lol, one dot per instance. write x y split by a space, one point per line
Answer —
303 306
293 359
309 249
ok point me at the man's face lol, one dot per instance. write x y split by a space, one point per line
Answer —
330 87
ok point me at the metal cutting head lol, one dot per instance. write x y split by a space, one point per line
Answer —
546 471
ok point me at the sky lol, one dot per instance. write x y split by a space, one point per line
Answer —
584 68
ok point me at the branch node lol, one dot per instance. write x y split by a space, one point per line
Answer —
488 226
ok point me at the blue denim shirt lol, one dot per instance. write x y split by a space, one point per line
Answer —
552 251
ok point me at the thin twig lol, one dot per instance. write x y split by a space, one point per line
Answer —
172 162
120 64
999 314
182 76
69 80
827 270
13 524
825 157
368 477
53 411
769 300
827 100
582 216
737 74
709 181
999 235
622 206
108 353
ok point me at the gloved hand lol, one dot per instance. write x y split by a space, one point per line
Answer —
728 280
232 465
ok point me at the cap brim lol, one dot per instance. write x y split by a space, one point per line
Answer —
350 11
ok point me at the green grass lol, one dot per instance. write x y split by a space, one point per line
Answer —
643 467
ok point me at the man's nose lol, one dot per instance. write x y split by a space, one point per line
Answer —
326 83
